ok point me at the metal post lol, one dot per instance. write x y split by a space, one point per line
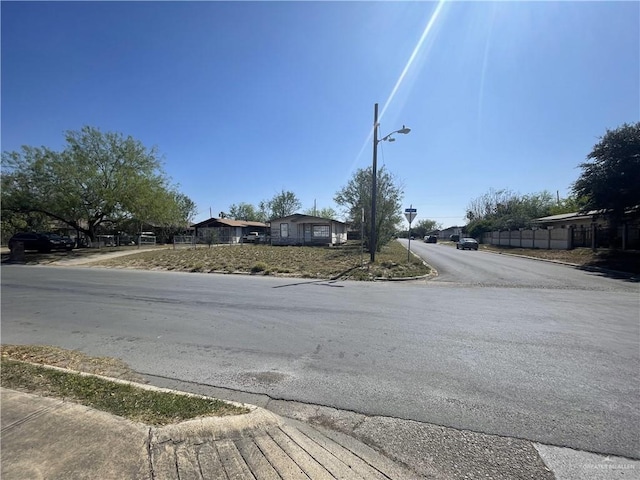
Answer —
362 238
409 248
374 185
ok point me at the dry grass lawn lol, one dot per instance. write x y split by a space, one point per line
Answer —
71 359
307 262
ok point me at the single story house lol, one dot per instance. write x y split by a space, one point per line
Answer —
298 229
591 229
226 230
447 232
575 220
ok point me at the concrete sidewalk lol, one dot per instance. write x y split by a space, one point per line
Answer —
55 439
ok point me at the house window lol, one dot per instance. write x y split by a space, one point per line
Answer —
284 229
323 231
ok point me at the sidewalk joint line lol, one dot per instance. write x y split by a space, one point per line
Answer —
266 457
152 473
288 456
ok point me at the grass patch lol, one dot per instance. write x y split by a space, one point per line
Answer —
307 262
259 267
391 262
125 400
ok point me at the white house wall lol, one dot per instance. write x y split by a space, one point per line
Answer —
301 233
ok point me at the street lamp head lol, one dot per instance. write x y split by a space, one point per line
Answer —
391 139
404 130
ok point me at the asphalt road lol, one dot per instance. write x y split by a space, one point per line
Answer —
495 344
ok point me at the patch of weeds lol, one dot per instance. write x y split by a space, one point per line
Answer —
71 359
259 267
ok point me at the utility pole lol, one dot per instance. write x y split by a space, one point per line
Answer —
374 181
362 238
374 185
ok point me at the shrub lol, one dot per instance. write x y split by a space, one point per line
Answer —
259 267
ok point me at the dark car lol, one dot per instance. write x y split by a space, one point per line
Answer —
467 243
431 239
43 242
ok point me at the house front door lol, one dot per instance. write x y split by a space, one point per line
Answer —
307 233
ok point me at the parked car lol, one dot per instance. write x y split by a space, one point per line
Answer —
454 238
254 237
430 239
43 242
467 243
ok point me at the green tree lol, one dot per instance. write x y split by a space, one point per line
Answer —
610 177
247 212
98 179
281 205
322 213
492 204
356 196
506 210
569 204
423 227
13 222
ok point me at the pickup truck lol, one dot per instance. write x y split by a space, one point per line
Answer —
253 237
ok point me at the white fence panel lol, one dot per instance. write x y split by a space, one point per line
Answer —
147 240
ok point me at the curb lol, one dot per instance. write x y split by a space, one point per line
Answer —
225 426
589 268
434 273
259 444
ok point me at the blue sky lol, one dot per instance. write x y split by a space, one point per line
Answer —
244 99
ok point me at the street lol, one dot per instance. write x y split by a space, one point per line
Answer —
495 344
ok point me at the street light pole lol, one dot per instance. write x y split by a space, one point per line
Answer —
374 181
374 185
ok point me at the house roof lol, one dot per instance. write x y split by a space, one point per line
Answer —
299 217
563 217
255 224
228 222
